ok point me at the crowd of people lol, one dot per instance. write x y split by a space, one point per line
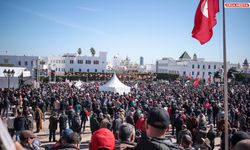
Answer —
149 117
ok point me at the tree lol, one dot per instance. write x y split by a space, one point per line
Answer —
79 51
92 50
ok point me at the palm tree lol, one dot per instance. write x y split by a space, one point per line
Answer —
92 50
79 51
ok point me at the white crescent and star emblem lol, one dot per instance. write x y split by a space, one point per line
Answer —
204 8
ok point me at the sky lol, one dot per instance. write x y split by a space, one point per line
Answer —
152 29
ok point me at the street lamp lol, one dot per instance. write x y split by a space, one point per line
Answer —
8 73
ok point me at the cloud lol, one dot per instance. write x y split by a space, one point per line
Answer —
89 9
59 21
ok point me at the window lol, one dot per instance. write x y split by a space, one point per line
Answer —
80 61
198 66
209 66
31 63
20 63
95 70
6 61
192 73
214 66
203 66
192 66
80 70
26 63
87 70
184 73
209 73
58 69
71 61
71 69
102 71
96 62
88 61
203 74
222 66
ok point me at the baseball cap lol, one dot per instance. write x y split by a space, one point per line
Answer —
25 134
102 138
238 136
66 133
158 118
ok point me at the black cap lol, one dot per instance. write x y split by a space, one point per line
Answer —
158 118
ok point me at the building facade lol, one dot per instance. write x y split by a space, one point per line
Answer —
193 67
76 63
28 62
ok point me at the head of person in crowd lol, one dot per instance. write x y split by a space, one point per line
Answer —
186 141
26 138
71 140
243 145
238 136
157 123
102 139
65 134
184 127
127 132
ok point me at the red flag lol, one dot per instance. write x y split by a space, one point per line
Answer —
205 20
196 82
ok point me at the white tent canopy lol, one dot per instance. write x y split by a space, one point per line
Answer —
115 85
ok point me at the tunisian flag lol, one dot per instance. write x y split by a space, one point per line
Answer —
196 82
205 20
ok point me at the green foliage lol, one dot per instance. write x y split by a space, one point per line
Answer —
166 76
92 50
79 51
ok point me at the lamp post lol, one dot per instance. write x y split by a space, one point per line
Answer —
8 73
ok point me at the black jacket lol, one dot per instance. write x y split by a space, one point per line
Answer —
94 124
20 123
65 147
63 119
156 144
53 123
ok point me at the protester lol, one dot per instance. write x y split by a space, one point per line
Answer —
26 140
238 136
186 142
38 119
157 125
53 127
19 124
63 120
126 137
102 139
242 145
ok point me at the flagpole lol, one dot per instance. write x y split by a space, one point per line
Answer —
225 78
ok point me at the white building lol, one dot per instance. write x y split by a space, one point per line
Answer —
76 63
28 62
150 68
13 81
186 66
